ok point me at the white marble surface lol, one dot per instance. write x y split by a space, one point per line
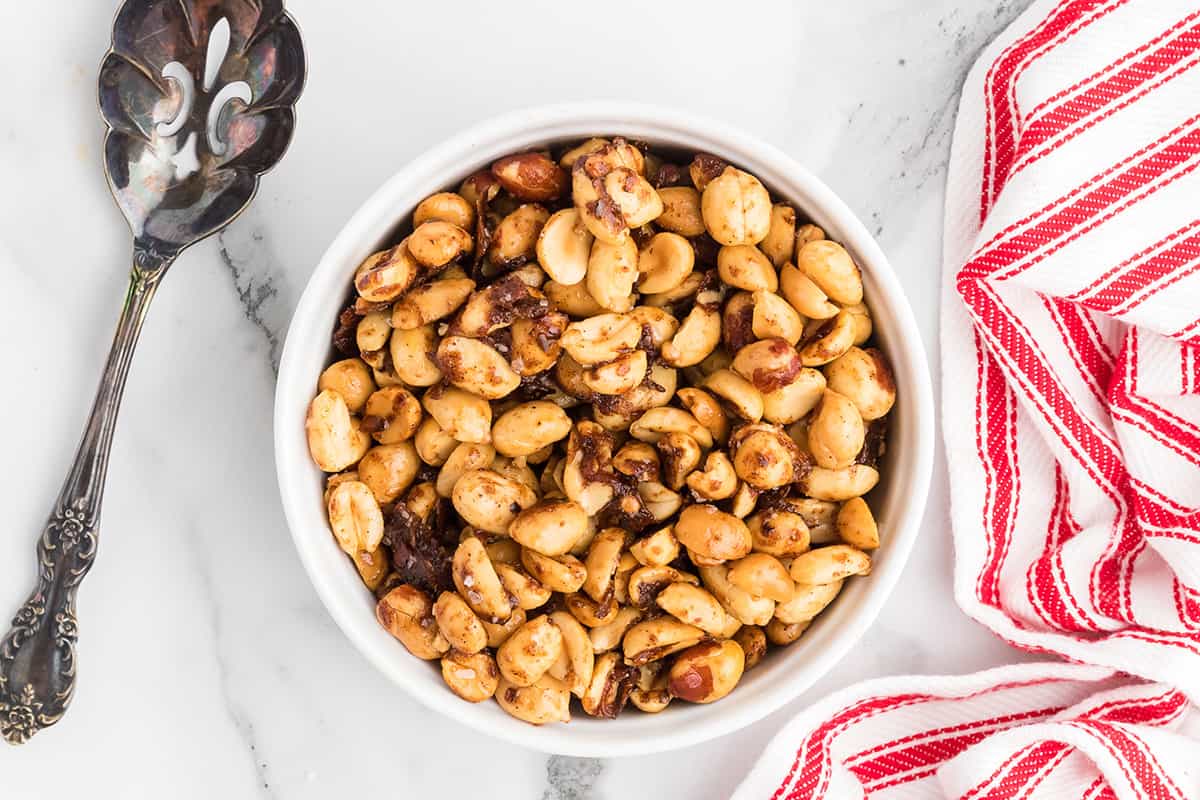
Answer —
208 666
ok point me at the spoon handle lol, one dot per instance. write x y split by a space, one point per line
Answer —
37 656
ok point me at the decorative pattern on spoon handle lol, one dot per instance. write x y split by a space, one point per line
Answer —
37 656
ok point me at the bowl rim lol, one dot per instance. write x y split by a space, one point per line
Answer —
534 125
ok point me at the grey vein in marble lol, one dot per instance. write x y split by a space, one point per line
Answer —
571 778
233 709
256 279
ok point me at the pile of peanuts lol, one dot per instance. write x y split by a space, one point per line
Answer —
602 429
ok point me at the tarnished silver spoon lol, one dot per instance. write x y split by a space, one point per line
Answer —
198 96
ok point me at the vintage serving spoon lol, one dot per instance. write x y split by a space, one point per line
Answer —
198 96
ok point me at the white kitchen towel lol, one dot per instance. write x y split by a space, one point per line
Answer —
1071 322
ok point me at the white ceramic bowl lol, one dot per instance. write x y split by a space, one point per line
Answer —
898 501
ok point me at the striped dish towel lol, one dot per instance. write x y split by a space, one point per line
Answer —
1071 322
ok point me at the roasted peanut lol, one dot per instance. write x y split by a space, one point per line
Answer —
698 335
656 550
372 566
550 528
412 356
693 605
336 440
745 400
855 524
563 247
527 428
681 211
447 207
609 688
711 533
782 633
498 305
530 651
473 677
808 233
386 275
633 196
592 613
808 600
778 532
831 268
650 694
744 500
780 242
747 608
618 376
792 401
804 295
489 501
664 262
680 455
863 376
646 582
658 422
436 243
862 322
477 582
498 632
515 238
392 415
458 623
430 302
530 176
572 299
835 432
753 642
706 410
829 564
762 575
707 672
658 638
689 287
588 147
464 415
608 637
465 457
601 338
371 335
774 318
547 700
764 456
602 561
354 517
564 574
351 379
830 341
839 484
637 460
577 659
407 613
476 367
535 343
717 481
528 593
768 364
389 469
433 444
611 273
745 267
736 208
